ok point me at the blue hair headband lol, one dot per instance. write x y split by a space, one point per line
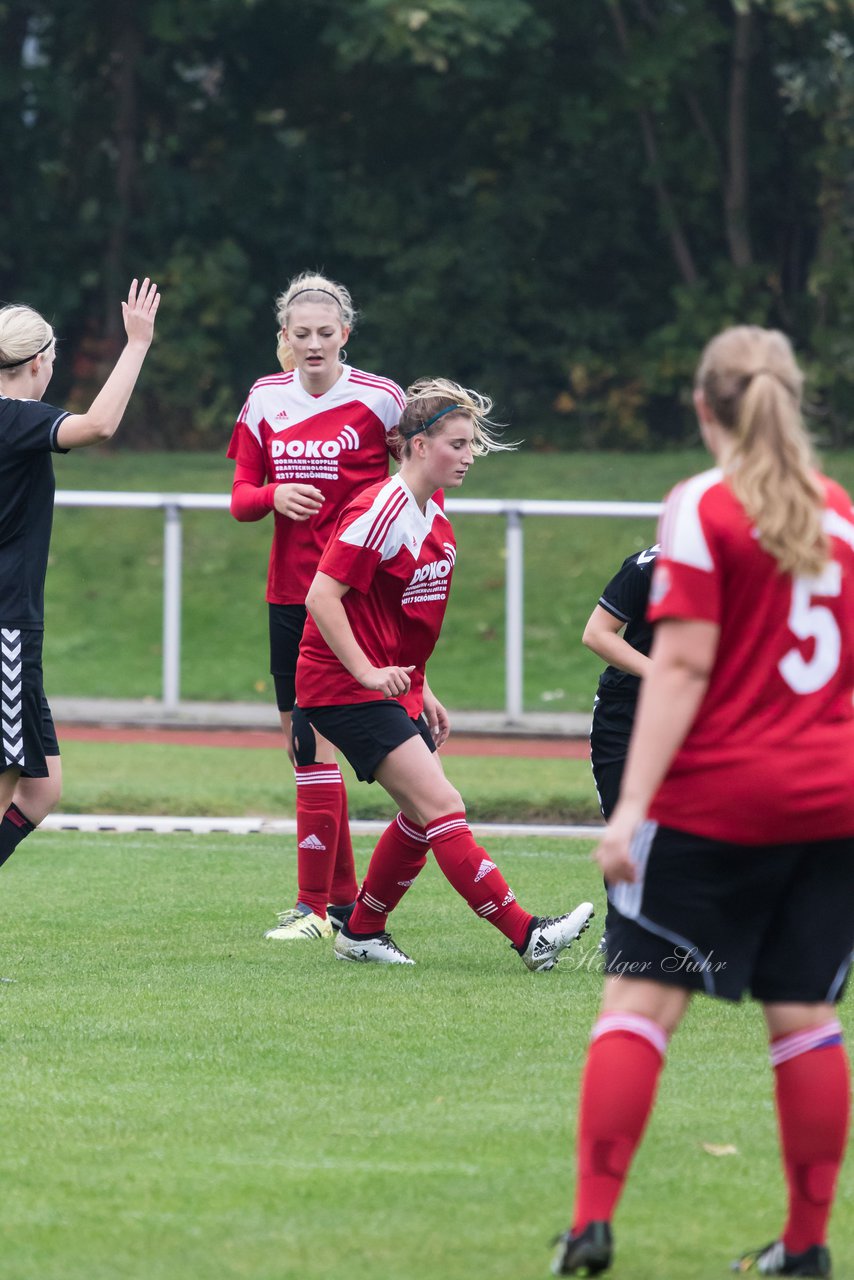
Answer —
407 435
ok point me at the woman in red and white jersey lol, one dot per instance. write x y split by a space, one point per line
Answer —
307 439
376 608
730 854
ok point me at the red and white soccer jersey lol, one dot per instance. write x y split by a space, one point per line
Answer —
398 562
770 757
337 442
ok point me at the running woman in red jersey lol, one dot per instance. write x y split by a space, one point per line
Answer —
375 612
306 441
30 431
733 837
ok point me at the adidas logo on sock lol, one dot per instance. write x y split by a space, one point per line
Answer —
406 884
312 842
484 869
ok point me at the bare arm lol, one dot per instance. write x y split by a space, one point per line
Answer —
683 654
325 604
108 407
602 635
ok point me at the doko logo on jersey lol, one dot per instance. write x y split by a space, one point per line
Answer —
430 581
347 438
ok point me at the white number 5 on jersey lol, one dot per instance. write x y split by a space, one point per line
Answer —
811 621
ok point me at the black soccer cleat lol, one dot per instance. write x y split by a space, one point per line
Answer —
586 1254
339 916
775 1260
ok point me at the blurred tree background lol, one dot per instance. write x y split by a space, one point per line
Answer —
557 202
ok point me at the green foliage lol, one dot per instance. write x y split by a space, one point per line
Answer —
824 89
199 336
559 202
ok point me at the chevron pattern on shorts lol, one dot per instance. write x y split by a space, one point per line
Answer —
10 697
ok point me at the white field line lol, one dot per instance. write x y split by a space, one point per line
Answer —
125 822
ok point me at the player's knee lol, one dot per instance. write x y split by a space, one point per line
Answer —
456 804
37 797
304 740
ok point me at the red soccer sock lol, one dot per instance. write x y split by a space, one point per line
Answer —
813 1108
400 854
476 877
318 815
624 1062
344 888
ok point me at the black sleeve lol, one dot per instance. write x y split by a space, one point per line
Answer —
29 426
627 593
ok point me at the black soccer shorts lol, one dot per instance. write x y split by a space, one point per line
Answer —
773 920
28 732
287 622
366 732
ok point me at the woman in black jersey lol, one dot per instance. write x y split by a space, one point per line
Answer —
617 630
30 431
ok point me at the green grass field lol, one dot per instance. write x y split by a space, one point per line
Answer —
104 591
158 778
183 1099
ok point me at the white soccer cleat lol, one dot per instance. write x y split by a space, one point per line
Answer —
298 924
551 936
381 949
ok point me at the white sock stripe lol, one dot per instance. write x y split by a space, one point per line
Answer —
313 779
637 1024
798 1042
409 830
372 902
441 828
487 909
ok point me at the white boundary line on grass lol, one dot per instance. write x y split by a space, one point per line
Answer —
120 823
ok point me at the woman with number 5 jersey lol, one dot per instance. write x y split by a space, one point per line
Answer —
376 608
730 854
306 441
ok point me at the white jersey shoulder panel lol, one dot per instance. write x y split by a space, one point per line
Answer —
682 537
393 521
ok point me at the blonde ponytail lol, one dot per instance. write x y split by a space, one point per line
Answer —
753 386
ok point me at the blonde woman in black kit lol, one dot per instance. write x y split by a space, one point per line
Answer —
30 432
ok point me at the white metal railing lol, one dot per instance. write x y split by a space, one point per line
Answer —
512 509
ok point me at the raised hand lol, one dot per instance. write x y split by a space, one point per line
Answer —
139 311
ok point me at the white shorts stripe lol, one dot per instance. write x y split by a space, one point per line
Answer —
627 898
10 697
